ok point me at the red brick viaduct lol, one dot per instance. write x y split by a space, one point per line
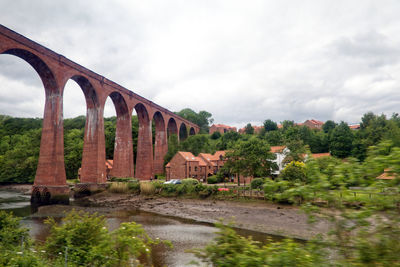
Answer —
55 70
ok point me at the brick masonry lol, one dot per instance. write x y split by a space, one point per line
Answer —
55 70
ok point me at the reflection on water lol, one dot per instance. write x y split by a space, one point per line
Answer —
184 234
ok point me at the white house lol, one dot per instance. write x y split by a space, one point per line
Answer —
280 152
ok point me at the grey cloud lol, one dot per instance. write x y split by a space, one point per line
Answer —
242 61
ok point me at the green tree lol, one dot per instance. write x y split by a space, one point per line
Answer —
249 129
203 119
73 143
270 125
215 135
228 140
173 147
341 142
196 144
328 126
252 157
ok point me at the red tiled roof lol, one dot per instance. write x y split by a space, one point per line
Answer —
109 163
201 161
187 155
319 155
219 153
386 175
317 122
208 157
168 165
354 126
277 149
222 126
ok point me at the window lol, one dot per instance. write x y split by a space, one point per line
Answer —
195 169
190 168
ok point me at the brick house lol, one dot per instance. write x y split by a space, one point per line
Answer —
313 124
257 129
186 165
221 128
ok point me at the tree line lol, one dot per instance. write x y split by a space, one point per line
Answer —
20 140
20 143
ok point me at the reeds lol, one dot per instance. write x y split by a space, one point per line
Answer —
119 187
147 188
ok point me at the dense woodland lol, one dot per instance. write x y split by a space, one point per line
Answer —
20 140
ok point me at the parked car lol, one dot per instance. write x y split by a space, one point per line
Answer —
173 181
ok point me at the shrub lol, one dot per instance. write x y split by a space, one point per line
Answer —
90 244
158 184
119 187
257 183
212 180
190 181
147 188
159 176
231 249
294 171
134 186
122 179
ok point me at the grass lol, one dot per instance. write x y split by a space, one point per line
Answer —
119 187
147 188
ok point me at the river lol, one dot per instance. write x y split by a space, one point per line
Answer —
184 234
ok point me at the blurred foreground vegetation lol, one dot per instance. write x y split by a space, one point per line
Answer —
81 239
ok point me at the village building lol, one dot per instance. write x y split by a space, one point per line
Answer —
221 128
354 126
313 124
280 153
257 129
387 174
186 165
109 166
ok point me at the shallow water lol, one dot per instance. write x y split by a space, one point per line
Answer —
184 234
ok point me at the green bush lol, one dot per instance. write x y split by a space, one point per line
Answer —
231 249
257 183
190 181
134 187
122 179
294 171
212 180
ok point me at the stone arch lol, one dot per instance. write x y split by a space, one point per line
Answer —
144 156
183 132
160 144
92 168
50 169
123 150
192 131
172 127
45 73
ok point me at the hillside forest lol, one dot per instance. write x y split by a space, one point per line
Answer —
20 140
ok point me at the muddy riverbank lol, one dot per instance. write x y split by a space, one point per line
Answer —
260 216
257 216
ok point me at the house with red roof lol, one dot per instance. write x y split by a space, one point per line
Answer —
313 124
186 165
221 128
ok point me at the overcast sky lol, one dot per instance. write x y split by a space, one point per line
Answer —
243 61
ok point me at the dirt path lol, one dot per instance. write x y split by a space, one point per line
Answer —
257 216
